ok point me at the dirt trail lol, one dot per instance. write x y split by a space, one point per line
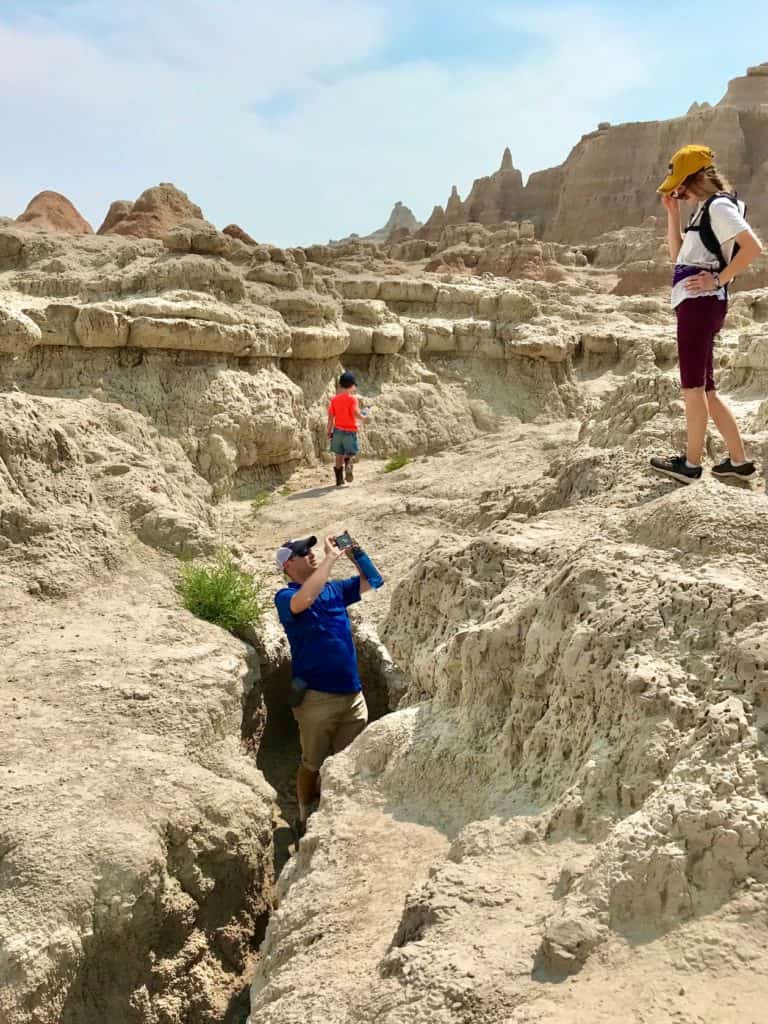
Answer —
396 515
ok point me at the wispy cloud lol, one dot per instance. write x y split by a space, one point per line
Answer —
298 120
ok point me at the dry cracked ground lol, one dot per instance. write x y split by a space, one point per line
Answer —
560 811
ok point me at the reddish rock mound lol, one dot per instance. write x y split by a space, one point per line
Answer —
118 211
154 213
235 231
53 212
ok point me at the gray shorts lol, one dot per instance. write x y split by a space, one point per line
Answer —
344 442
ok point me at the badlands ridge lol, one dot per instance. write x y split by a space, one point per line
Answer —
560 812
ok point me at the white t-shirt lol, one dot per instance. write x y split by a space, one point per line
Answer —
727 221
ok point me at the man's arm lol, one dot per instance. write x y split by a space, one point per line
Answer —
311 587
365 586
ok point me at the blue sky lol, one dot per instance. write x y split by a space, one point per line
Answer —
307 120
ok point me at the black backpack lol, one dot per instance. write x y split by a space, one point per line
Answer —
704 227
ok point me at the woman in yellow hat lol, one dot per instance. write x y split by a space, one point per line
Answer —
716 245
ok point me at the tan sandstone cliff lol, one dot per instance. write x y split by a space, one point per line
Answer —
610 177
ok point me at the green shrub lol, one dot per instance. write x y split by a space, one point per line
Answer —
261 499
396 462
221 593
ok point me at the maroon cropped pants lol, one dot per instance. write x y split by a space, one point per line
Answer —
699 321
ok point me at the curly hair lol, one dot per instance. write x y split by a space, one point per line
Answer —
707 182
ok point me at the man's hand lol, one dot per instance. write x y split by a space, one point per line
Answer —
311 587
365 586
331 550
350 551
699 283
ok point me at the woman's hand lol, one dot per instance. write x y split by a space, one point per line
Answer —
699 283
671 204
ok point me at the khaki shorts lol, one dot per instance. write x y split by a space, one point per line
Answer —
328 722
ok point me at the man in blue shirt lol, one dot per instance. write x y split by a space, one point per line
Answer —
313 611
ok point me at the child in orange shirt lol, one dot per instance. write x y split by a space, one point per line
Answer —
343 423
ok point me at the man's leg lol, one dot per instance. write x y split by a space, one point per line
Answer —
316 734
350 723
307 789
696 416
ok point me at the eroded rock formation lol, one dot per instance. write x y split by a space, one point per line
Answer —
152 215
400 223
609 179
52 211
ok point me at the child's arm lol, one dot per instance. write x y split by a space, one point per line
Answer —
330 423
358 414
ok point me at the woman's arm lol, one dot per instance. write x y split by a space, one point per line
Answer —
749 249
704 282
674 234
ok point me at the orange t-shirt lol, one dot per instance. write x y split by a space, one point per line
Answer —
343 408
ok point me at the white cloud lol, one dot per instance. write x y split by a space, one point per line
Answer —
107 103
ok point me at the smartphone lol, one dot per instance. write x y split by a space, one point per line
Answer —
343 541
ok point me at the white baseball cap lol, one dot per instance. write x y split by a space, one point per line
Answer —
289 548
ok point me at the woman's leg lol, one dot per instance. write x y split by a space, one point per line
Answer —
696 416
726 424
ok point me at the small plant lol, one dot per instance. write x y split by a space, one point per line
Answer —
396 462
285 491
261 499
221 593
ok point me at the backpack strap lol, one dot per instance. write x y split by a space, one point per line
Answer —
704 227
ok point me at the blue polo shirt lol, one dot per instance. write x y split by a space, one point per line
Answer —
322 650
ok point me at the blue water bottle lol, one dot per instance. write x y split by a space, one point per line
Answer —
367 568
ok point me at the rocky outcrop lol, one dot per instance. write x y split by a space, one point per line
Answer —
154 213
498 197
232 348
433 226
136 868
400 223
574 784
748 91
52 211
504 250
609 179
235 231
117 212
